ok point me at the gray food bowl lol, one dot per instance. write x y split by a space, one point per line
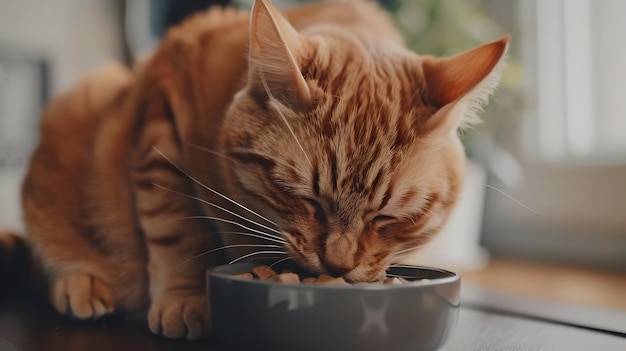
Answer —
265 315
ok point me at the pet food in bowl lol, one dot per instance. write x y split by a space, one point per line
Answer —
418 312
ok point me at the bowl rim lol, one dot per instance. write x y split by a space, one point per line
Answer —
216 272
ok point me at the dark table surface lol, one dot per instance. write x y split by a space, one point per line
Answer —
487 321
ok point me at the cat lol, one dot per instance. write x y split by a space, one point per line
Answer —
315 135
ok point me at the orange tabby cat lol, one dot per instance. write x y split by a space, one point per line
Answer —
318 134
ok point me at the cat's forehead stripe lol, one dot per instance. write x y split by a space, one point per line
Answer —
372 115
366 123
386 197
407 197
375 184
315 179
332 157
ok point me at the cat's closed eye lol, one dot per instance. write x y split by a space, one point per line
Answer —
381 220
315 209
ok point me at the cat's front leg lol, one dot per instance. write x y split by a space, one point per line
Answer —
178 306
179 314
175 238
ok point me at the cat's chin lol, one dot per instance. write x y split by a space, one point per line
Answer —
364 275
360 274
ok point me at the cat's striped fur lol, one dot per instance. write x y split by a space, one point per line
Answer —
340 143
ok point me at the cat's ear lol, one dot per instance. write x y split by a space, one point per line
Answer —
460 85
274 47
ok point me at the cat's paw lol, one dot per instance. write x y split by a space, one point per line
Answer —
81 295
179 316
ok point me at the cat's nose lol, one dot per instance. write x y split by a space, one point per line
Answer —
339 257
336 271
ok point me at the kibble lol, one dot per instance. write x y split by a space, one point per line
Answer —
263 272
245 275
291 278
393 281
288 276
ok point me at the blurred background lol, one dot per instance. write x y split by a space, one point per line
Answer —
543 212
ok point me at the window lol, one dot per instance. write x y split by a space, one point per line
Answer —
581 79
568 135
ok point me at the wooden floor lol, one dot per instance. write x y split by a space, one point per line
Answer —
573 285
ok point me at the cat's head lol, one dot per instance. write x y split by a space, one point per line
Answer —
354 144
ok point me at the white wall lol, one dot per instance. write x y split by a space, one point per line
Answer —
75 35
609 47
72 36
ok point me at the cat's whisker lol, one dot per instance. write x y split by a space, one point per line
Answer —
211 190
228 247
502 192
280 261
274 104
212 152
218 207
402 254
265 252
257 152
255 236
407 250
266 235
